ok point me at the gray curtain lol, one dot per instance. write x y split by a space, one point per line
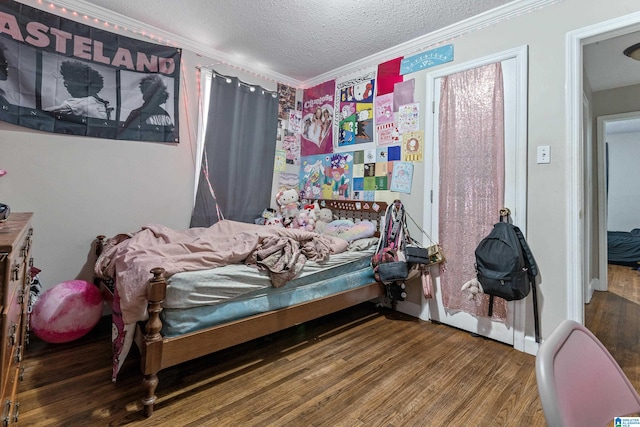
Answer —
239 152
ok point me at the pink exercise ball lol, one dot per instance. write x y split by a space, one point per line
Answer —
66 312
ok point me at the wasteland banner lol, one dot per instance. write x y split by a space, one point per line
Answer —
58 75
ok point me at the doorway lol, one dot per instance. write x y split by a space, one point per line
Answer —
514 65
618 146
586 223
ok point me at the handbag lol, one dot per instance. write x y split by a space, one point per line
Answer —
388 266
389 261
392 271
418 254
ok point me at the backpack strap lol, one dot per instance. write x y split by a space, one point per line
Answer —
536 317
530 261
490 305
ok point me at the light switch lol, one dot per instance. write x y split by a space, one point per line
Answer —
544 154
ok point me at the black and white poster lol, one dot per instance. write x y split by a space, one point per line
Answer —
61 76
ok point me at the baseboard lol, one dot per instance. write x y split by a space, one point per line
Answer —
410 308
530 345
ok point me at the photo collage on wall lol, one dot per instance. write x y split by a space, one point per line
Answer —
289 119
353 138
355 175
354 102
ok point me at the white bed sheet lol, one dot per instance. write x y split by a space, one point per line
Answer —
217 285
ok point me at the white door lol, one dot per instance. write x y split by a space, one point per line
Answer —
515 89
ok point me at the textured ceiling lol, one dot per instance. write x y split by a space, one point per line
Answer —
303 39
300 39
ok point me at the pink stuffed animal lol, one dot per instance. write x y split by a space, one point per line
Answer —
306 218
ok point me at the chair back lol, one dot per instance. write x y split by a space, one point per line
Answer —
579 382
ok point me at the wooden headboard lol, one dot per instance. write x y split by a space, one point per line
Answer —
356 210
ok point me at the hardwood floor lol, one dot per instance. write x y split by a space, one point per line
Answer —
359 367
614 317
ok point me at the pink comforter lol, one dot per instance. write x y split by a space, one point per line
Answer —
129 258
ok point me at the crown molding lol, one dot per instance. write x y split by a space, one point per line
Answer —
431 40
141 30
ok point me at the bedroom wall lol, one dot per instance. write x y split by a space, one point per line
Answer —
616 101
64 181
544 31
81 187
624 175
548 188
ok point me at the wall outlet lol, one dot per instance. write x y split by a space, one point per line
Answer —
544 154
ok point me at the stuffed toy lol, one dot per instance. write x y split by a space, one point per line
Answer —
323 217
289 206
267 214
306 218
275 221
473 288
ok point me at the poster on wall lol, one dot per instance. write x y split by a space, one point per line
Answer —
62 76
388 76
338 172
409 117
328 176
286 100
354 109
317 119
412 146
367 174
312 177
402 177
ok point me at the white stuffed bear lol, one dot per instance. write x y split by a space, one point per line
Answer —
323 217
306 218
289 206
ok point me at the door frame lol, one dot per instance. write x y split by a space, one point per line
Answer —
603 211
576 270
519 210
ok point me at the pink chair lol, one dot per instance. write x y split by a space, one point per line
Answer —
579 382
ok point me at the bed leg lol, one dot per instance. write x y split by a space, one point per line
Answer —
149 384
151 360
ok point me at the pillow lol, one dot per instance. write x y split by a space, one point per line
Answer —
350 231
363 244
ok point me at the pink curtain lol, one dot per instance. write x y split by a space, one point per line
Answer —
471 150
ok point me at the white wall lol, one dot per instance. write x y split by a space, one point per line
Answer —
544 31
81 187
70 184
616 101
548 189
624 181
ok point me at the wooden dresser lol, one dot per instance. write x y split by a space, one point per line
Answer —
15 261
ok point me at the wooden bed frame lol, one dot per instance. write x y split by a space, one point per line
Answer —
158 352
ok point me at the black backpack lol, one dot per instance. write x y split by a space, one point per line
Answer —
506 268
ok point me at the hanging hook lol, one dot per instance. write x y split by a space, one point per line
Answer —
505 213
